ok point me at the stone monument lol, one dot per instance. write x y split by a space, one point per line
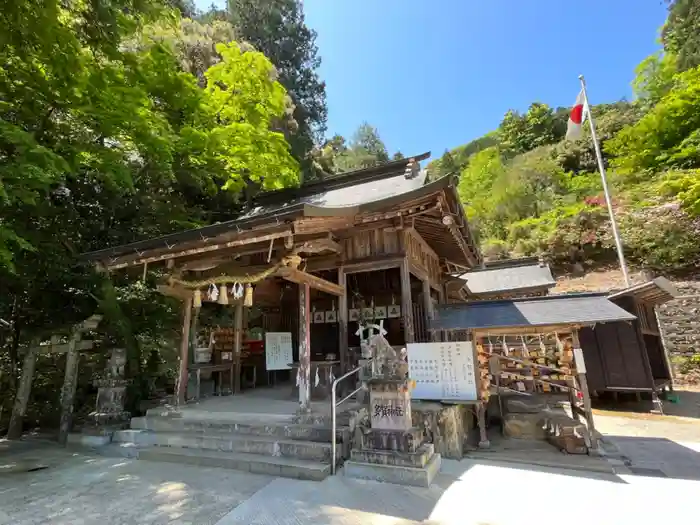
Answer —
391 449
109 414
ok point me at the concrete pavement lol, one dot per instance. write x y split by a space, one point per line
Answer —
657 467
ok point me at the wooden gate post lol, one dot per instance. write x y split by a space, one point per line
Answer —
343 322
70 381
583 383
25 388
184 350
304 377
237 344
406 302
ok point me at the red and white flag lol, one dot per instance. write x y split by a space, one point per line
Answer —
576 117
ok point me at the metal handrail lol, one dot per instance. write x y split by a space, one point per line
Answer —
335 405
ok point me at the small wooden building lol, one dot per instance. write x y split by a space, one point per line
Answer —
630 356
311 261
509 279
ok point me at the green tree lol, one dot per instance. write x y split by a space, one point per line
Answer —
681 33
668 136
366 149
103 142
277 29
539 126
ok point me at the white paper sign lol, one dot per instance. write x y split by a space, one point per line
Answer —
443 370
278 350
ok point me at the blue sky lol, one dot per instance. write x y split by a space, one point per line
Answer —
432 75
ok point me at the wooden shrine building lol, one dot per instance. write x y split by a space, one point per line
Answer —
508 279
630 356
312 261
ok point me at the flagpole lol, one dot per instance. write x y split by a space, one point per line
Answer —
608 201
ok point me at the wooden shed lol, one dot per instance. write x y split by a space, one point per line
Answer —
630 356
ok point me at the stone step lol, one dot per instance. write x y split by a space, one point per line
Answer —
567 434
306 432
400 475
236 443
257 464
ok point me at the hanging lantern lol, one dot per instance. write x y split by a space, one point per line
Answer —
197 298
223 294
248 300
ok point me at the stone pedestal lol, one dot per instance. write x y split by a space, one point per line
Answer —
392 450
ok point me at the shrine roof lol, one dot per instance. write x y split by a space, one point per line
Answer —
506 279
656 291
377 189
574 309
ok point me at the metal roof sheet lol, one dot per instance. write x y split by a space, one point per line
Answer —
656 291
540 311
508 279
348 198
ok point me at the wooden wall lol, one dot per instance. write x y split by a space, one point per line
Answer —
422 258
372 243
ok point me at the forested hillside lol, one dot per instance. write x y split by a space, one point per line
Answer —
529 191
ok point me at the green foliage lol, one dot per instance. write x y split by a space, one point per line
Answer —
684 185
681 33
118 122
654 78
366 149
454 161
278 30
539 126
667 136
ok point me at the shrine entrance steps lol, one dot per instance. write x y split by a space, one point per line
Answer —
292 446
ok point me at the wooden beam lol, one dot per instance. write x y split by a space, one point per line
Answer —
343 321
328 262
374 264
406 302
19 409
322 224
304 377
70 380
174 291
202 249
319 245
184 350
80 346
303 278
583 382
450 223
237 344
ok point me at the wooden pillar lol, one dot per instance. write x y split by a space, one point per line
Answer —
184 350
343 322
583 383
237 344
406 302
304 377
70 379
25 388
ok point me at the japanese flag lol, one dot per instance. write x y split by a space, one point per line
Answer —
576 117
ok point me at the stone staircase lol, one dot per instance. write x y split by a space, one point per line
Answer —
296 448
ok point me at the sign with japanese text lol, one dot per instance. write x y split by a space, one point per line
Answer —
443 371
278 350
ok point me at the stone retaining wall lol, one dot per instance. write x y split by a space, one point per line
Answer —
679 321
